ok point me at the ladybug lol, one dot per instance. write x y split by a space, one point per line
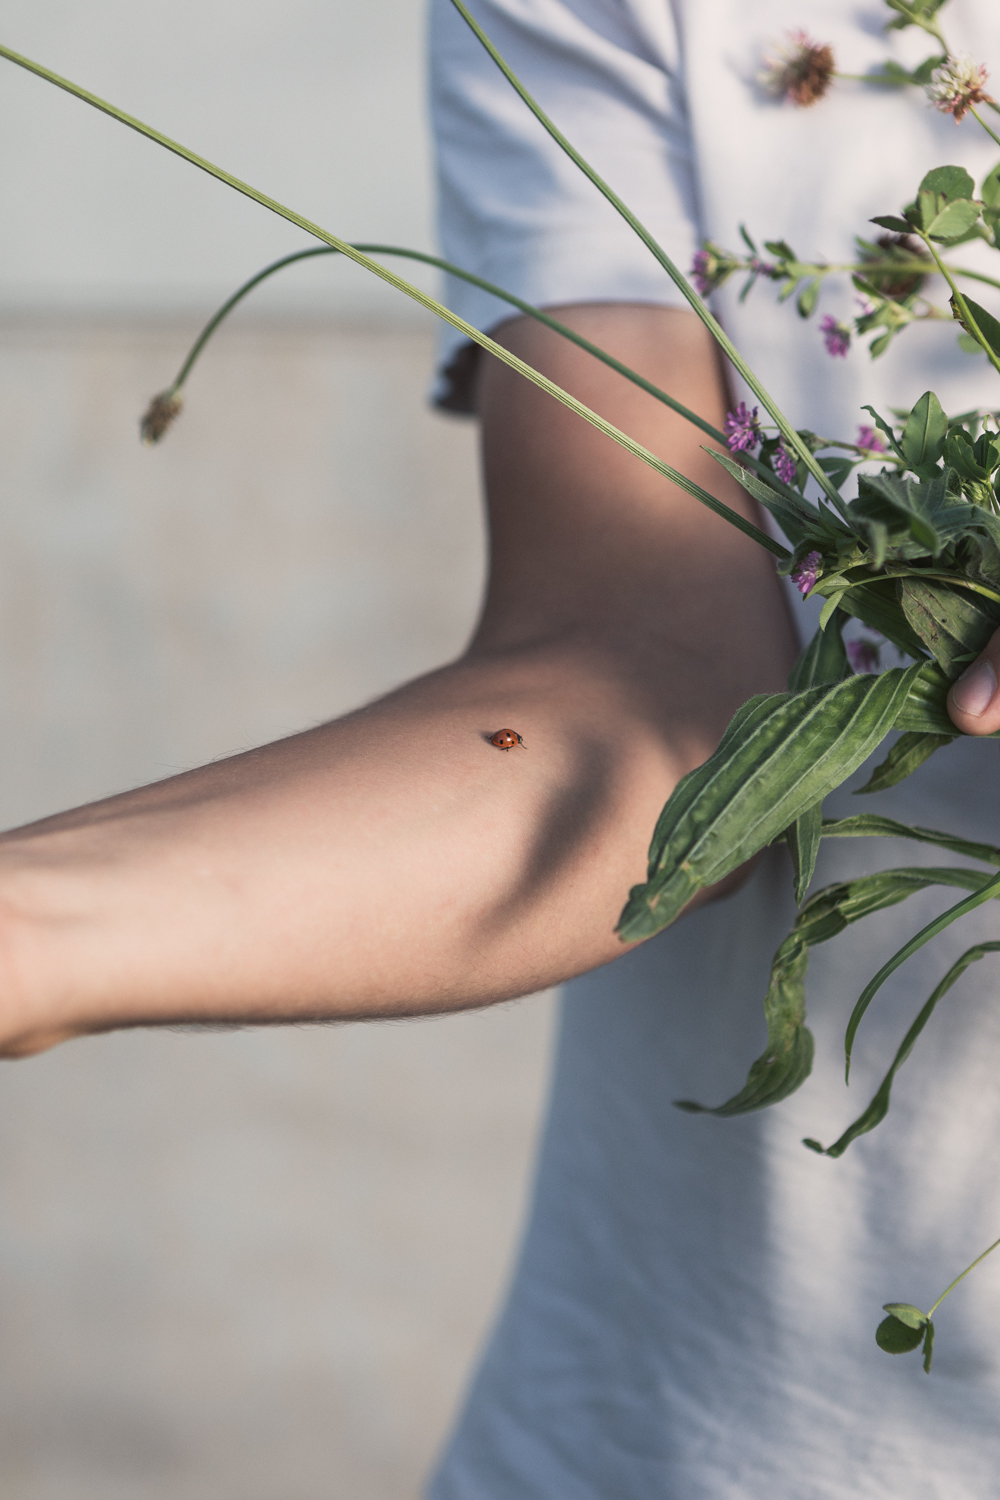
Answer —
506 739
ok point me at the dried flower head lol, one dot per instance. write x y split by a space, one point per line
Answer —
863 654
742 429
160 413
784 464
869 438
799 72
957 85
836 336
807 572
896 249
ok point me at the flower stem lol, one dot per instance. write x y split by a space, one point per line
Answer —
788 432
963 306
989 131
631 446
965 1273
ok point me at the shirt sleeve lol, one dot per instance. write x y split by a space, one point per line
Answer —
512 207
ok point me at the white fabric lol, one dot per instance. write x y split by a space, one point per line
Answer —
693 1313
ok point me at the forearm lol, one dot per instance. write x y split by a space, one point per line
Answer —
394 862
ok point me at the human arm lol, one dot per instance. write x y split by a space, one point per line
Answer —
394 862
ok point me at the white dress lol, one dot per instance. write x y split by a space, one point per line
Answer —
692 1316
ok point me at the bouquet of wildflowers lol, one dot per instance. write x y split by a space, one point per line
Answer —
913 554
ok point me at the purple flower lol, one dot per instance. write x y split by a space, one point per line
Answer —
742 429
836 336
784 465
807 572
703 269
869 438
762 267
863 654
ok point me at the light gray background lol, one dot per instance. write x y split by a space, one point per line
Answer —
253 1265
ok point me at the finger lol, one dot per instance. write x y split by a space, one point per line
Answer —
974 700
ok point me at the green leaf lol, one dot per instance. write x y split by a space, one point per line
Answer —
807 298
879 1106
990 191
953 221
987 323
925 431
797 518
823 660
928 1346
869 825
786 1061
969 345
989 889
883 425
779 756
803 838
896 1338
951 183
952 623
893 222
925 709
906 756
877 604
906 1313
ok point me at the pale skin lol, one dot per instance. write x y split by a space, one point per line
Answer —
394 862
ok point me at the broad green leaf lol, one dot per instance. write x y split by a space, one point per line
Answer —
896 1338
906 1313
990 191
877 604
786 1061
954 220
987 323
925 710
952 623
879 1106
925 431
989 889
948 182
869 825
803 838
823 660
780 756
906 756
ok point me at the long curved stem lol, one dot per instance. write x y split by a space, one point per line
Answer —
961 1277
452 270
629 444
788 432
764 470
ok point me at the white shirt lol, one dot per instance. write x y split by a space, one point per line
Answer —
693 1313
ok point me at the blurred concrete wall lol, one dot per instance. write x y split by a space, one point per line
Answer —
246 1266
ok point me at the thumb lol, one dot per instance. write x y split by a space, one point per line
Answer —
974 700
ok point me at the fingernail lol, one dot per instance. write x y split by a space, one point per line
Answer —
973 692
